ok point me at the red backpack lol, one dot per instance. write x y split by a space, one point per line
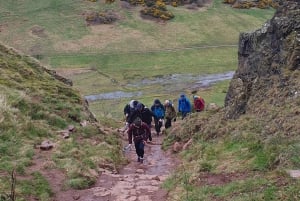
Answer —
199 104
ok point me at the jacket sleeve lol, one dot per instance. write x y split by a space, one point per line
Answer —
126 109
130 134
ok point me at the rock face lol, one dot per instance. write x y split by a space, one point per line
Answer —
269 59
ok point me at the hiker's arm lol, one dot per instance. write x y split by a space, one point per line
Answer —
129 135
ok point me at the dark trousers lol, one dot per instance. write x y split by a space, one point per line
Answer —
158 125
184 114
168 123
139 148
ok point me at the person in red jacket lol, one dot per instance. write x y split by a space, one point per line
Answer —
139 133
199 103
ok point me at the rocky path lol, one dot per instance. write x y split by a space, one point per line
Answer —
136 181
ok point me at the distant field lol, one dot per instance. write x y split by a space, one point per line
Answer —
196 42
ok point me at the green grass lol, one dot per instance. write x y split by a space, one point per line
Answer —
131 49
34 106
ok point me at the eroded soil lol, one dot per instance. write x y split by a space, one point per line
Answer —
134 182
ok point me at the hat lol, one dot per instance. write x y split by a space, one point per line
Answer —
139 106
195 97
133 103
182 95
167 102
156 101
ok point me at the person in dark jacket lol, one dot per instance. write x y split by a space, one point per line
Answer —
158 111
130 108
139 133
184 106
143 113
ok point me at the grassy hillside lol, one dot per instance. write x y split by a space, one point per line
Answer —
35 107
196 41
248 150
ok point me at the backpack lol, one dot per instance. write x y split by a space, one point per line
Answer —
158 112
199 104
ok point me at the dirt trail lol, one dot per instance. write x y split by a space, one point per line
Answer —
136 181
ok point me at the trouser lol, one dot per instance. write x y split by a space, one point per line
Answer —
139 148
168 123
184 114
158 125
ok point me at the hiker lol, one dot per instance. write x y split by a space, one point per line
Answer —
159 113
139 133
144 113
170 113
129 109
199 103
184 106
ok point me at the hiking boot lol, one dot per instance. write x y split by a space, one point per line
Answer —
141 159
138 160
150 138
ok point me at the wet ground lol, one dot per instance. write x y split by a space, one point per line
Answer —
170 83
137 181
134 182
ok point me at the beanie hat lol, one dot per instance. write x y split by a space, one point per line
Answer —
131 103
139 106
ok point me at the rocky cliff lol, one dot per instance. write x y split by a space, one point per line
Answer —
269 63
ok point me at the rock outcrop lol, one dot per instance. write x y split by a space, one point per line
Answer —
269 64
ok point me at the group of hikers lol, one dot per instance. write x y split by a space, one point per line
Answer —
139 119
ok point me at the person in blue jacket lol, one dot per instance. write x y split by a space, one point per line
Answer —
158 111
184 106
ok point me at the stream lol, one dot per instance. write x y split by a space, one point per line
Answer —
171 83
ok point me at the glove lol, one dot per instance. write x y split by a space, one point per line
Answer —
174 119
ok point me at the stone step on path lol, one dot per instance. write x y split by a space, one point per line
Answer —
136 181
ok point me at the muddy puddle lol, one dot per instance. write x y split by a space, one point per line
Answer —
170 83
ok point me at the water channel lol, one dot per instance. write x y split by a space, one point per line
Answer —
172 82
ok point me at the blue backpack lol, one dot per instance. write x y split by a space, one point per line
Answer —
158 112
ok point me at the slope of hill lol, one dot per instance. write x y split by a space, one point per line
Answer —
250 149
48 137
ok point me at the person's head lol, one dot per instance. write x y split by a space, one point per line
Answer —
195 97
137 123
167 103
140 106
156 102
133 103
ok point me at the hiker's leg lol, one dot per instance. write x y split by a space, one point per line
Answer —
168 123
137 151
184 115
141 149
157 129
160 123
